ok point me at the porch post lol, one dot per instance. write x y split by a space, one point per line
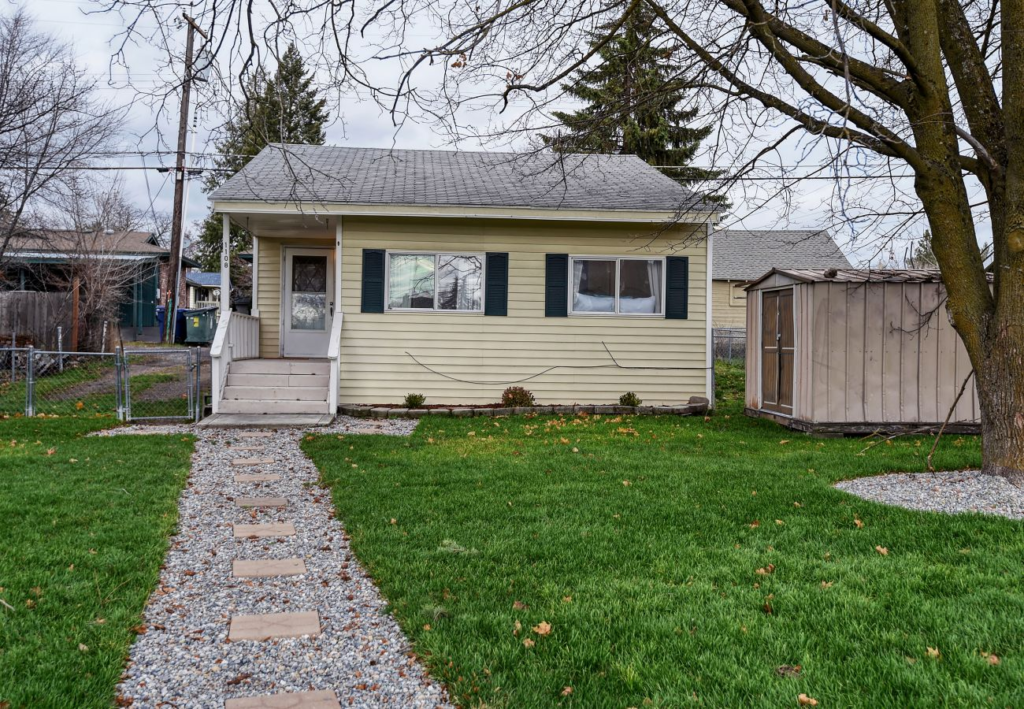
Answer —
337 264
225 266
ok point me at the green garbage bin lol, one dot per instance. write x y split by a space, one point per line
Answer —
200 325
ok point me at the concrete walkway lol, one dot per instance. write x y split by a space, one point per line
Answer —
260 603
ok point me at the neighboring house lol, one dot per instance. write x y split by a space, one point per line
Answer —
744 256
456 275
116 275
203 289
856 351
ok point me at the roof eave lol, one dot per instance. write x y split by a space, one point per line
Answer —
690 216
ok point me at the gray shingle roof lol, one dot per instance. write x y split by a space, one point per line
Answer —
746 255
341 175
862 275
204 278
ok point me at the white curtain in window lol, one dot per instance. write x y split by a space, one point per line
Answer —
654 274
411 281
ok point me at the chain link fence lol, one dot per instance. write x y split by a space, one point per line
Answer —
133 385
730 344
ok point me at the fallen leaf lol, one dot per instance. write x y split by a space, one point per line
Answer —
239 679
566 691
83 647
527 643
933 652
79 405
779 522
764 571
51 451
860 525
767 608
806 701
426 627
993 659
542 628
797 504
755 524
627 483
394 521
782 443
882 550
566 599
518 626
519 606
827 584
788 671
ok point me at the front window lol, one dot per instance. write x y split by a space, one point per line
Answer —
626 286
445 282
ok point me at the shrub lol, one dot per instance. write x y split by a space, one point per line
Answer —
630 399
414 401
517 396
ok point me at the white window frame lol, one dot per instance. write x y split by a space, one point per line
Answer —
618 259
436 255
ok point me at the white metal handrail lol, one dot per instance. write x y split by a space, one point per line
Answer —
334 359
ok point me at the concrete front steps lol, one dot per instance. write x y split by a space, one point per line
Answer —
276 386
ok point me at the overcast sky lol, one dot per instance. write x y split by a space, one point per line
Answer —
355 123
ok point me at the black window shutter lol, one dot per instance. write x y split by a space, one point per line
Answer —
556 286
677 287
496 289
373 281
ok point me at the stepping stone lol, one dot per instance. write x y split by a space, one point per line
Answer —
268 567
255 434
261 502
253 461
274 625
257 478
272 529
294 700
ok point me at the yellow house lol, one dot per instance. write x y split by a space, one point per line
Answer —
742 256
379 273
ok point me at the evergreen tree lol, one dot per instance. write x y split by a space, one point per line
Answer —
633 98
922 255
283 108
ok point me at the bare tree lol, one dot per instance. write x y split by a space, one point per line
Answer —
50 124
914 109
99 228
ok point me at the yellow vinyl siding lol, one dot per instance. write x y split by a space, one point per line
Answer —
727 310
378 350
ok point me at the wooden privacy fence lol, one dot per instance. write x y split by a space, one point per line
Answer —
34 317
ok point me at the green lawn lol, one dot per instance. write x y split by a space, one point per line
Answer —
85 525
640 540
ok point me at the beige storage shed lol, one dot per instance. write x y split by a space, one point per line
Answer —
855 351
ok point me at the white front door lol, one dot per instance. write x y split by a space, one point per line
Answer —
308 301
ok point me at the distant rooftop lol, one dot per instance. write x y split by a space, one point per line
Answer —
740 255
371 176
205 279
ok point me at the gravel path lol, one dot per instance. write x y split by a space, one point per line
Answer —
184 659
953 493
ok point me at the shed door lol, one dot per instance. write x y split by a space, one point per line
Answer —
777 351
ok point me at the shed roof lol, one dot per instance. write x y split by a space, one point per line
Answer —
342 175
857 275
742 255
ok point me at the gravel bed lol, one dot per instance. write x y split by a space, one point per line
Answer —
183 658
952 492
341 424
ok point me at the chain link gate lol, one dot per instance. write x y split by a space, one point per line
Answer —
139 384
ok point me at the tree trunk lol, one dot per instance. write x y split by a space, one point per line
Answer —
1001 396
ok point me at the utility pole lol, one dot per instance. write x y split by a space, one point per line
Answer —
171 297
